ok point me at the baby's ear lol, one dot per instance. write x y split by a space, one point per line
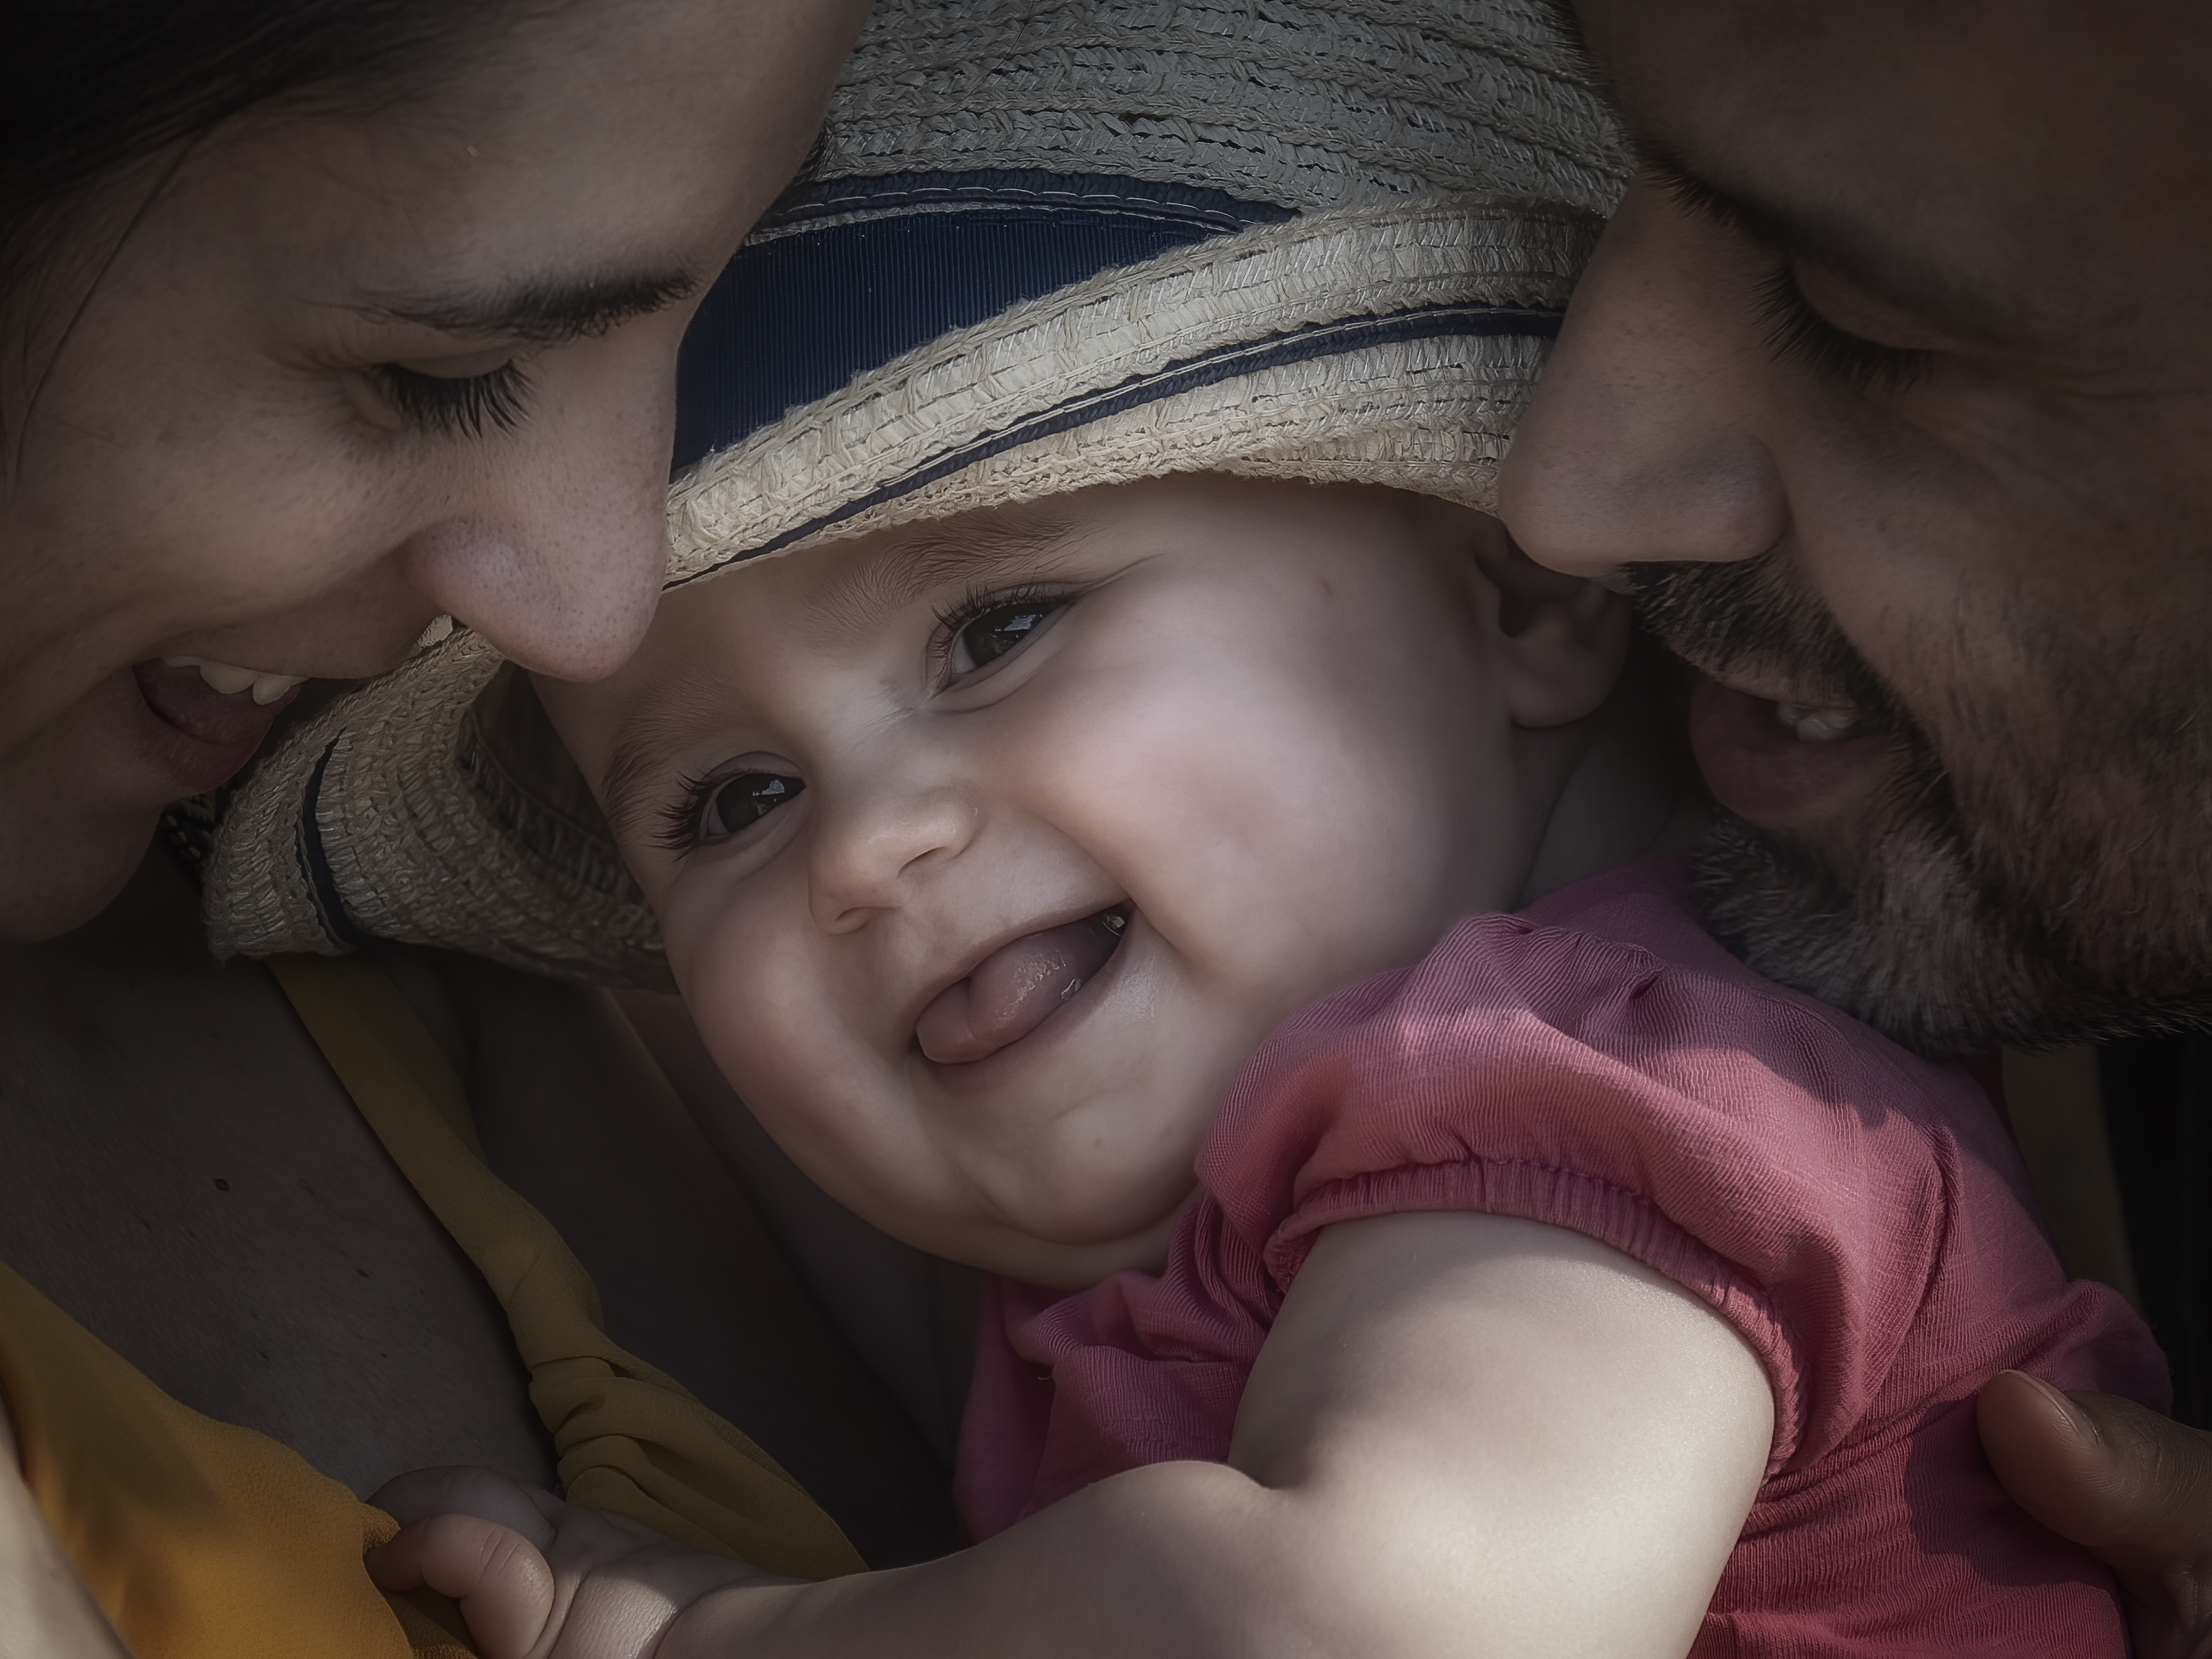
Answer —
1561 640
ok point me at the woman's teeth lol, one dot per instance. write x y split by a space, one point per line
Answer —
228 677
1817 724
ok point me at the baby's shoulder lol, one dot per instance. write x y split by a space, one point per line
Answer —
1601 1065
1603 1031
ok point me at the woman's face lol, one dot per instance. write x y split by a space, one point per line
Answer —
325 380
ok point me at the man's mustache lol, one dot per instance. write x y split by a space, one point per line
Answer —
1757 617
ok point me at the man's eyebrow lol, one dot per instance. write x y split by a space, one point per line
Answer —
542 310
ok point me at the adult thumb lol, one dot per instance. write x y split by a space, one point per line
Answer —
2130 1486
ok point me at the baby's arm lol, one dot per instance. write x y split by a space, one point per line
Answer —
1465 1434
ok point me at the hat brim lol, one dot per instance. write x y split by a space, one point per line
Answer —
1391 345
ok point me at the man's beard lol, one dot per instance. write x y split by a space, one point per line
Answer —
2063 894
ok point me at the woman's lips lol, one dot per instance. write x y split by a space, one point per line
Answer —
1761 770
1017 988
202 736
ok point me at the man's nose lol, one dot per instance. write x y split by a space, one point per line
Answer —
1642 440
875 843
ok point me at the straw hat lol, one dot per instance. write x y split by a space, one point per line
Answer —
1040 246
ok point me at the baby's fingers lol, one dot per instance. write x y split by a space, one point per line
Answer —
502 1582
484 1493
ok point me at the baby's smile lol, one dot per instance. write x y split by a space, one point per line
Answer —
1017 987
986 851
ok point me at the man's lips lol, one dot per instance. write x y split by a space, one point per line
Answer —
1761 768
204 735
1017 988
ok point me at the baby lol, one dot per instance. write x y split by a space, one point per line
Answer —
1080 776
1570 1290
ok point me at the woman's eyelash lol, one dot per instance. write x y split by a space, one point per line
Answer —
979 602
463 406
1797 333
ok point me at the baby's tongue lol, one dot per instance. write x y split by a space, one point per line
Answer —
1012 990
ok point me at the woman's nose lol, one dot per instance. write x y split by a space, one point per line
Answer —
555 552
873 849
1642 440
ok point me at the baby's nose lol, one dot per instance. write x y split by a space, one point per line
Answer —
866 855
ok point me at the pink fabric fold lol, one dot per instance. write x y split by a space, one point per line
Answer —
1599 1063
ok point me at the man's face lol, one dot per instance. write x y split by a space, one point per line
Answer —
986 851
1892 385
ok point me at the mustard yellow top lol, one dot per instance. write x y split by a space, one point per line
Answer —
203 1540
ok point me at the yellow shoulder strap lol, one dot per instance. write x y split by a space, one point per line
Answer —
199 1540
629 1438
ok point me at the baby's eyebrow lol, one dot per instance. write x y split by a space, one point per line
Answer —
1017 539
648 735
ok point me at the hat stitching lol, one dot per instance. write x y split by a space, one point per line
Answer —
315 861
1235 361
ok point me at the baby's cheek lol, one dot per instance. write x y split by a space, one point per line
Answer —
723 970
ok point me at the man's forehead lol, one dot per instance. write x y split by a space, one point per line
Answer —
2024 156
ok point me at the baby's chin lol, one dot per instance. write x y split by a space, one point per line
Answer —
1061 1264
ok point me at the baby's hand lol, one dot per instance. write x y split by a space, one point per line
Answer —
537 1578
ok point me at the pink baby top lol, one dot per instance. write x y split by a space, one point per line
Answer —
1599 1063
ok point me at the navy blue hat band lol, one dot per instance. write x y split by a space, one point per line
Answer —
1246 357
842 277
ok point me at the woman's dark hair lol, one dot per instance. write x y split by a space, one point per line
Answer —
89 89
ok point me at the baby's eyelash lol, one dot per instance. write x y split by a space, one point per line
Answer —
462 406
1797 333
953 617
679 819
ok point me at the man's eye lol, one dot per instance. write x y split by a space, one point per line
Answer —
992 633
735 803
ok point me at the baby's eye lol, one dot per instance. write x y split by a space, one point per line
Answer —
737 803
990 634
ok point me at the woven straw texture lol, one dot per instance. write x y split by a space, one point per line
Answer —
1409 416
1303 105
1445 159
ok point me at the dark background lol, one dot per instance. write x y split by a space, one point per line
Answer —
2158 1112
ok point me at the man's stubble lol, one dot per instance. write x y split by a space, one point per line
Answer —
2054 886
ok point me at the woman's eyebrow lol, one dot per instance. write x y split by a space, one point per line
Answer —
542 310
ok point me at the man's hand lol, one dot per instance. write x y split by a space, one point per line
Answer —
2132 1487
537 1578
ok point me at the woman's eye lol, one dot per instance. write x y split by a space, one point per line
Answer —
736 803
992 633
456 405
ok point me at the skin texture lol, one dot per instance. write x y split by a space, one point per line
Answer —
1248 684
2125 1482
203 460
1231 692
1467 1435
1923 350
205 455
1989 551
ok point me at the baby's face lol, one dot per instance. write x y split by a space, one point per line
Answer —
986 851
